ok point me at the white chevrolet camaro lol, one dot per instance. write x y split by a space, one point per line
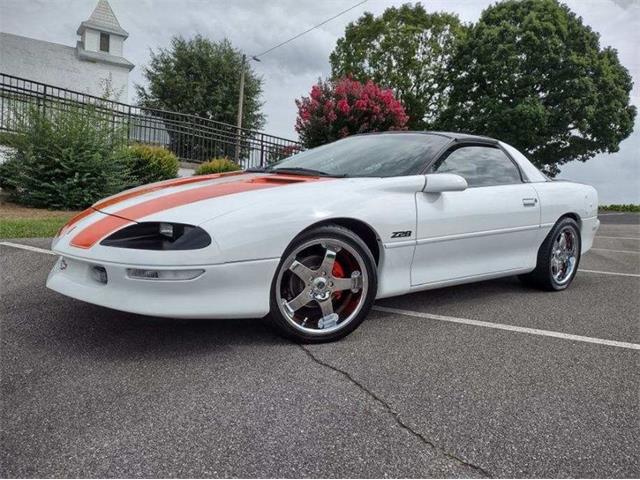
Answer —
313 240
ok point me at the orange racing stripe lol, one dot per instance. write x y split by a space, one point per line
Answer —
136 192
110 223
75 219
153 187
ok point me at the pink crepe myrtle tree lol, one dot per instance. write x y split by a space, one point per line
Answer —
338 108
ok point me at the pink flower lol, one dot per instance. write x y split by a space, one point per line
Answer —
361 107
316 92
360 104
343 106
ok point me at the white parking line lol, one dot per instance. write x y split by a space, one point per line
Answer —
616 251
619 238
610 273
511 328
28 247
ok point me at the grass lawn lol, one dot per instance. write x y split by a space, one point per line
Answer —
23 222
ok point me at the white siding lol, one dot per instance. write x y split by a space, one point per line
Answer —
115 45
91 40
59 65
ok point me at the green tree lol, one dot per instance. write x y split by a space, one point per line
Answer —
532 74
405 49
201 77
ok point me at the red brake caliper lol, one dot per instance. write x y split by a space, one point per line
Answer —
338 272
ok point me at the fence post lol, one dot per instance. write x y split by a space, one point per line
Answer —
193 139
129 125
44 103
262 160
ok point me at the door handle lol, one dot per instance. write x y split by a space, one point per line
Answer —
529 202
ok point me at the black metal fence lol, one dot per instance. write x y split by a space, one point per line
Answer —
191 138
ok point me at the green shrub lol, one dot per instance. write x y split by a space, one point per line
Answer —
148 163
217 165
64 160
9 139
620 208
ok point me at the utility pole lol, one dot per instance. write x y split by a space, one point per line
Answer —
240 105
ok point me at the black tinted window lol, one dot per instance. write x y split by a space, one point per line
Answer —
384 155
480 166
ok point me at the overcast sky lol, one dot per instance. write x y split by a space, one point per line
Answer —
289 72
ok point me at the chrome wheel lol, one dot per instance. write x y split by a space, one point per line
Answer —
564 255
321 286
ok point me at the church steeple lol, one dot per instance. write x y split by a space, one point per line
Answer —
104 20
102 37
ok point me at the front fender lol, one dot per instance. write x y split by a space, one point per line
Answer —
265 230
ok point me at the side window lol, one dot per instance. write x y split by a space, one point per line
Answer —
480 166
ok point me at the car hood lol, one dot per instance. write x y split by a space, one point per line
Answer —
191 200
191 197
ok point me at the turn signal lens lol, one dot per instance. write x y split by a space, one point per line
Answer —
99 274
143 274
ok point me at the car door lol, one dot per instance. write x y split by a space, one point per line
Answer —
488 230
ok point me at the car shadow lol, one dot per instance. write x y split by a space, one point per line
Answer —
501 288
89 330
65 325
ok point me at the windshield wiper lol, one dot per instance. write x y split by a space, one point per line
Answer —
304 171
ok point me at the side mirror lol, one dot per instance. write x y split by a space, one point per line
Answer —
444 182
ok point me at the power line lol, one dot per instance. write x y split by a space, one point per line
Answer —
255 57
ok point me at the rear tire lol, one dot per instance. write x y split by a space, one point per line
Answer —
324 286
558 257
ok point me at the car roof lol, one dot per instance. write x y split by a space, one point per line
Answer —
454 136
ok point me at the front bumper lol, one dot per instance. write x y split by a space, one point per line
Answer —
228 290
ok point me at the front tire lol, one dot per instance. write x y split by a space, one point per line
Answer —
324 286
558 257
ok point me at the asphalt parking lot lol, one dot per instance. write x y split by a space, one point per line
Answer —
547 386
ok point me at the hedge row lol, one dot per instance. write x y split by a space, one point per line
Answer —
73 158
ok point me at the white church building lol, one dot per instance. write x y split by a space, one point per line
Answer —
96 62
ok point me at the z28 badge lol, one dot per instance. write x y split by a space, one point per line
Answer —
402 234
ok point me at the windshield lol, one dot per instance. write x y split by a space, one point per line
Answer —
382 155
